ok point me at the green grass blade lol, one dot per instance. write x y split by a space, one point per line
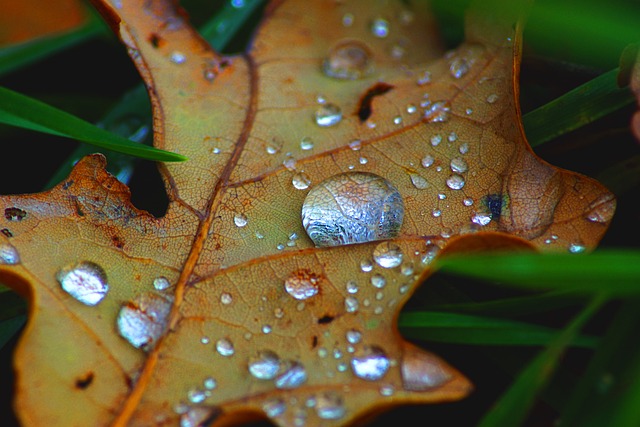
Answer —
616 271
512 408
479 330
224 26
9 327
20 110
578 107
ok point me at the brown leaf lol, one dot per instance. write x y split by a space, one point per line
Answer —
224 309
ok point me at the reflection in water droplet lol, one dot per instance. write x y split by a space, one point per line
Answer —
419 182
427 161
458 165
274 407
306 143
354 336
352 287
380 28
225 347
351 304
348 60
300 181
468 201
10 256
85 281
302 285
226 298
378 281
142 321
161 283
265 365
370 364
240 220
328 115
455 182
329 406
437 112
352 207
387 255
602 209
293 376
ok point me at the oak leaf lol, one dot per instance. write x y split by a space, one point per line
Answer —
224 309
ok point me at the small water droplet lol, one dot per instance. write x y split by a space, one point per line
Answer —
329 406
468 111
196 396
442 196
355 145
366 265
436 213
468 201
240 220
453 137
387 390
293 376
436 140
370 364
418 181
363 160
306 143
178 57
455 182
352 207
266 329
481 219
142 321
204 340
378 281
300 181
274 407
347 19
464 148
424 78
161 283
458 165
225 348
196 416
458 67
387 255
380 28
427 161
437 112
85 281
348 60
226 298
271 149
10 256
576 248
411 109
351 304
421 371
302 284
397 120
492 98
265 365
210 383
328 115
353 336
352 287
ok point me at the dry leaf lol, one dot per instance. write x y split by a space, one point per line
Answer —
224 310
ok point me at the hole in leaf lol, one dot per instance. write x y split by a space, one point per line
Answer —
147 189
365 111
325 319
84 381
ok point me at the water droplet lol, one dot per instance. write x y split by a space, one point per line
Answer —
225 347
411 109
453 137
329 406
274 407
442 196
436 213
161 283
265 365
142 321
238 4
418 181
370 364
352 207
602 209
10 256
355 145
351 304
178 57
406 270
464 148
363 160
240 220
302 284
271 149
576 248
14 214
354 336
328 115
289 163
387 255
397 120
438 112
458 67
378 281
266 329
347 19
352 287
468 201
424 78
196 396
366 265
85 281
421 371
468 111
427 161
492 98
226 298
204 340
455 182
348 60
322 352
380 27
306 143
300 181
481 219
294 376
197 416
436 140
210 383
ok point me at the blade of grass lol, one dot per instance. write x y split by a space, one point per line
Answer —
20 110
619 270
9 327
512 408
578 107
479 330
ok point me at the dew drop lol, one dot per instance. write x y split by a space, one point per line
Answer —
210 383
576 248
437 112
436 140
142 321
330 406
351 304
226 298
271 149
418 181
397 120
347 19
602 209
10 256
274 407
363 160
240 220
370 364
464 148
424 78
306 143
378 281
458 165
266 329
422 371
491 99
436 213
455 182
453 137
481 219
178 57
161 283
354 336
294 376
348 60
352 207
302 284
468 201
427 161
85 281
300 181
197 416
366 265
328 115
380 28
411 109
265 365
458 67
355 145
387 255
225 347
204 340
352 287
196 396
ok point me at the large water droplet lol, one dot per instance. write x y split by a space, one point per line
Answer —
387 255
380 27
9 255
348 60
458 67
142 321
265 365
370 364
225 348
294 376
352 207
330 406
300 181
302 284
455 182
458 165
240 220
328 115
421 371
85 281
437 112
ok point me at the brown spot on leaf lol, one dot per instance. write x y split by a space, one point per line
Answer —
84 381
14 214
